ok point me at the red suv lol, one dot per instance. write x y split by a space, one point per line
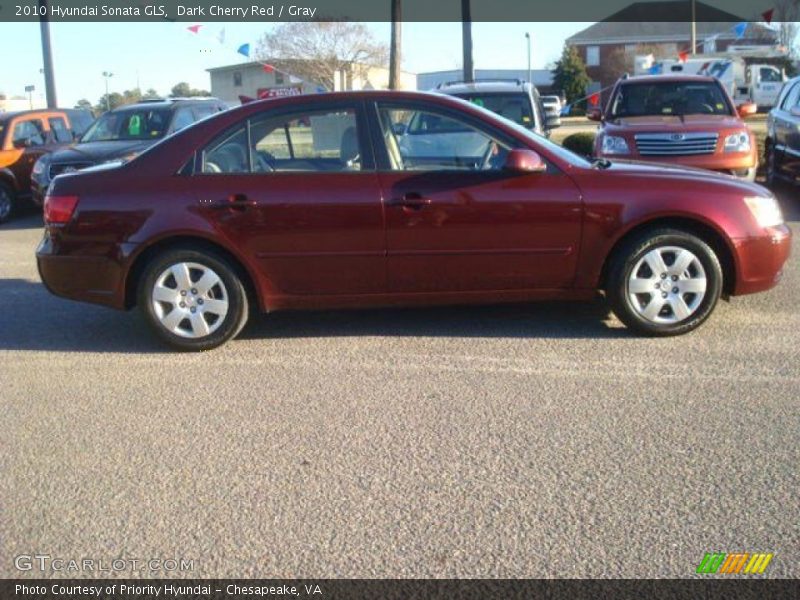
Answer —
687 120
318 202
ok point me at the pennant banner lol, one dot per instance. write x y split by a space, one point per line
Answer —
244 49
194 28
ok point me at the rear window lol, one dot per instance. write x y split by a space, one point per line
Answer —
515 107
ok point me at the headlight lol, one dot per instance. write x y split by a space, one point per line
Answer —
613 144
738 142
765 209
38 166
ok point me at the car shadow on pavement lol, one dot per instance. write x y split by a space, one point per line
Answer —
25 218
541 319
32 319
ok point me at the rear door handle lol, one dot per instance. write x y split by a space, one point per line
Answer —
240 201
413 200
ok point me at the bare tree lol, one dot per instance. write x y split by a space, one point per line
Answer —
315 50
786 14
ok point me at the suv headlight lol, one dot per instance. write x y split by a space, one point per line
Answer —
39 166
613 144
765 210
738 142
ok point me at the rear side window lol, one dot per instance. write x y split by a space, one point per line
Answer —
183 118
29 133
58 128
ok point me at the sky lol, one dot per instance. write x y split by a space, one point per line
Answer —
159 55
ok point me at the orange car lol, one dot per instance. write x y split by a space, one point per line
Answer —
24 137
687 120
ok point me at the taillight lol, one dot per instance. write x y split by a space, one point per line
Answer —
58 209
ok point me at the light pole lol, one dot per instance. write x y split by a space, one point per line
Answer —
107 75
528 37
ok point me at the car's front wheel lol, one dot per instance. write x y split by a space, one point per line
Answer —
664 282
193 299
7 201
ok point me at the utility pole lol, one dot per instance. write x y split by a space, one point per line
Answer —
47 56
107 75
395 56
528 37
694 27
466 29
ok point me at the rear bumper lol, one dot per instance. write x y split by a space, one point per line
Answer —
95 279
761 260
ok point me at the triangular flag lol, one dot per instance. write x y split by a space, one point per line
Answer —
739 29
683 56
594 99
221 36
244 49
767 15
194 28
268 68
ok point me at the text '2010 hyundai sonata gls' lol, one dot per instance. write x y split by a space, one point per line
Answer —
318 202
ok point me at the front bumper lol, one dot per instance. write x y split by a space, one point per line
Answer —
760 260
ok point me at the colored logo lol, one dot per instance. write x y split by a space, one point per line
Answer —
734 564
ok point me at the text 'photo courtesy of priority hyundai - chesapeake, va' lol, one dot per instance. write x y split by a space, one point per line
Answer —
470 299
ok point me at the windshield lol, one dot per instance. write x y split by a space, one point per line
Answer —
667 98
515 107
140 124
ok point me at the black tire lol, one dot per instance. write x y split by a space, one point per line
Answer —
231 290
772 179
8 202
629 255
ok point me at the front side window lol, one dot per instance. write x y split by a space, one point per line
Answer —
421 140
61 134
136 124
28 133
312 141
669 99
769 75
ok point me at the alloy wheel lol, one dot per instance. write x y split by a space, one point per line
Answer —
667 285
190 300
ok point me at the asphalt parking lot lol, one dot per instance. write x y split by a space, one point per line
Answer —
524 441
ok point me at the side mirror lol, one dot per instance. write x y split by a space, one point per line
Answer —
747 109
594 114
399 128
523 160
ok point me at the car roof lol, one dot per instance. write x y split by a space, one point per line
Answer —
7 116
483 86
666 78
168 103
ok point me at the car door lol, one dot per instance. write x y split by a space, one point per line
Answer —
456 221
297 191
30 137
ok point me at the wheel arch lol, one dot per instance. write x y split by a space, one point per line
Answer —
711 236
7 177
185 242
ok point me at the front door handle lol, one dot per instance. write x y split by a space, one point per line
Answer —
412 200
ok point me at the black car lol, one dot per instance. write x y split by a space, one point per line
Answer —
782 146
121 134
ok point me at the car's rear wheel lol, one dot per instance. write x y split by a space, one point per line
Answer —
193 299
664 282
771 168
7 202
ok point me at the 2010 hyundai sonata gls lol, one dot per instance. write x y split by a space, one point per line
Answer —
318 201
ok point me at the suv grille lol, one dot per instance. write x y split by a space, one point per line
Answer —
58 169
676 144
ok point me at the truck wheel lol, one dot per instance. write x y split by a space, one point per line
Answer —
7 202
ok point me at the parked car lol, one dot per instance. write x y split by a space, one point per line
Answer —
782 146
513 99
121 134
552 109
688 120
24 137
311 202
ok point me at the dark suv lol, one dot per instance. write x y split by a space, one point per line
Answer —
121 134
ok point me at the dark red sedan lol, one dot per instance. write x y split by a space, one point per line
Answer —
391 198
